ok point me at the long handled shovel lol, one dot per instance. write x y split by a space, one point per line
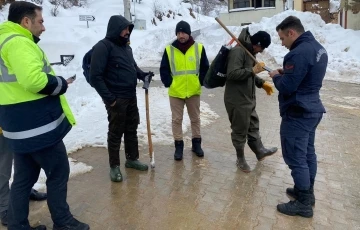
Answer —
239 43
151 151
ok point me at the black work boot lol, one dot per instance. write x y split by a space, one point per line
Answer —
40 227
260 151
37 196
4 218
293 192
179 150
241 162
301 206
74 224
196 147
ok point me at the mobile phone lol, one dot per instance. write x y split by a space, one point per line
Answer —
267 69
72 78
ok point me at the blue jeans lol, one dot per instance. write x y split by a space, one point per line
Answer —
297 142
27 167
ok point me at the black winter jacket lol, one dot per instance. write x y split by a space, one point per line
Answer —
113 70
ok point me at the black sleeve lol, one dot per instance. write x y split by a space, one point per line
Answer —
139 73
55 86
204 66
259 81
165 71
97 71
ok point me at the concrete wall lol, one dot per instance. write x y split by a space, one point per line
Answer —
353 20
248 15
298 5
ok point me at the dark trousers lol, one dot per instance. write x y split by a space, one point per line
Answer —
244 124
54 161
6 158
123 119
297 142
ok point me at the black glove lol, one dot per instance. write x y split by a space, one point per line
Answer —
147 79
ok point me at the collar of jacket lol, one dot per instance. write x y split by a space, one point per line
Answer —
36 39
183 47
120 41
11 27
307 36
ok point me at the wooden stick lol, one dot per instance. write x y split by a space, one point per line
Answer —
233 37
151 153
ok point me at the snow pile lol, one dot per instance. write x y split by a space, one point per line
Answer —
342 45
334 6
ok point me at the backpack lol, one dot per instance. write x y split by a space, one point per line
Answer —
216 75
87 60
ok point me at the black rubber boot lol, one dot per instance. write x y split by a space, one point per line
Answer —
196 147
115 174
301 206
293 192
241 162
260 151
136 164
74 224
179 150
4 218
37 196
40 227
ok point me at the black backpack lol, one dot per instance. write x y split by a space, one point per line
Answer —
87 60
216 75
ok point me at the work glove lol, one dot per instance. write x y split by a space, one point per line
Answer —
268 88
147 79
258 68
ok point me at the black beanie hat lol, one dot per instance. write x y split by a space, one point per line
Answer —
261 38
183 26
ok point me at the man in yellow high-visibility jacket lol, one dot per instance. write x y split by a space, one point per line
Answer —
35 117
183 69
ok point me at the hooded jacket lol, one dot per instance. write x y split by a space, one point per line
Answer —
113 70
241 80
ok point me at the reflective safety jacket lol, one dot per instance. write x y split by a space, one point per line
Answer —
34 114
185 70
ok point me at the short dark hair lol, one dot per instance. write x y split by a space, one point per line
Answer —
20 9
291 22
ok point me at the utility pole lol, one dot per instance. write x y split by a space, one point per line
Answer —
127 6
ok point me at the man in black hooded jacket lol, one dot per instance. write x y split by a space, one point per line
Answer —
114 74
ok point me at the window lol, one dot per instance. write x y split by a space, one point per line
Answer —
253 3
269 3
241 3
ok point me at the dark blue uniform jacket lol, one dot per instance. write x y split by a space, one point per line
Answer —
304 70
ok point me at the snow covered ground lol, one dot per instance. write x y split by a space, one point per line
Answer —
65 34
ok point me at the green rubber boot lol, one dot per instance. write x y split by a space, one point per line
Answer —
115 174
136 165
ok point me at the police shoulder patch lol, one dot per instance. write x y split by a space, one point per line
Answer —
289 67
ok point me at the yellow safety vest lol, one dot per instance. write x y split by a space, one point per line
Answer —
185 70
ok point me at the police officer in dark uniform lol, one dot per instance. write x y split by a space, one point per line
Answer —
301 109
